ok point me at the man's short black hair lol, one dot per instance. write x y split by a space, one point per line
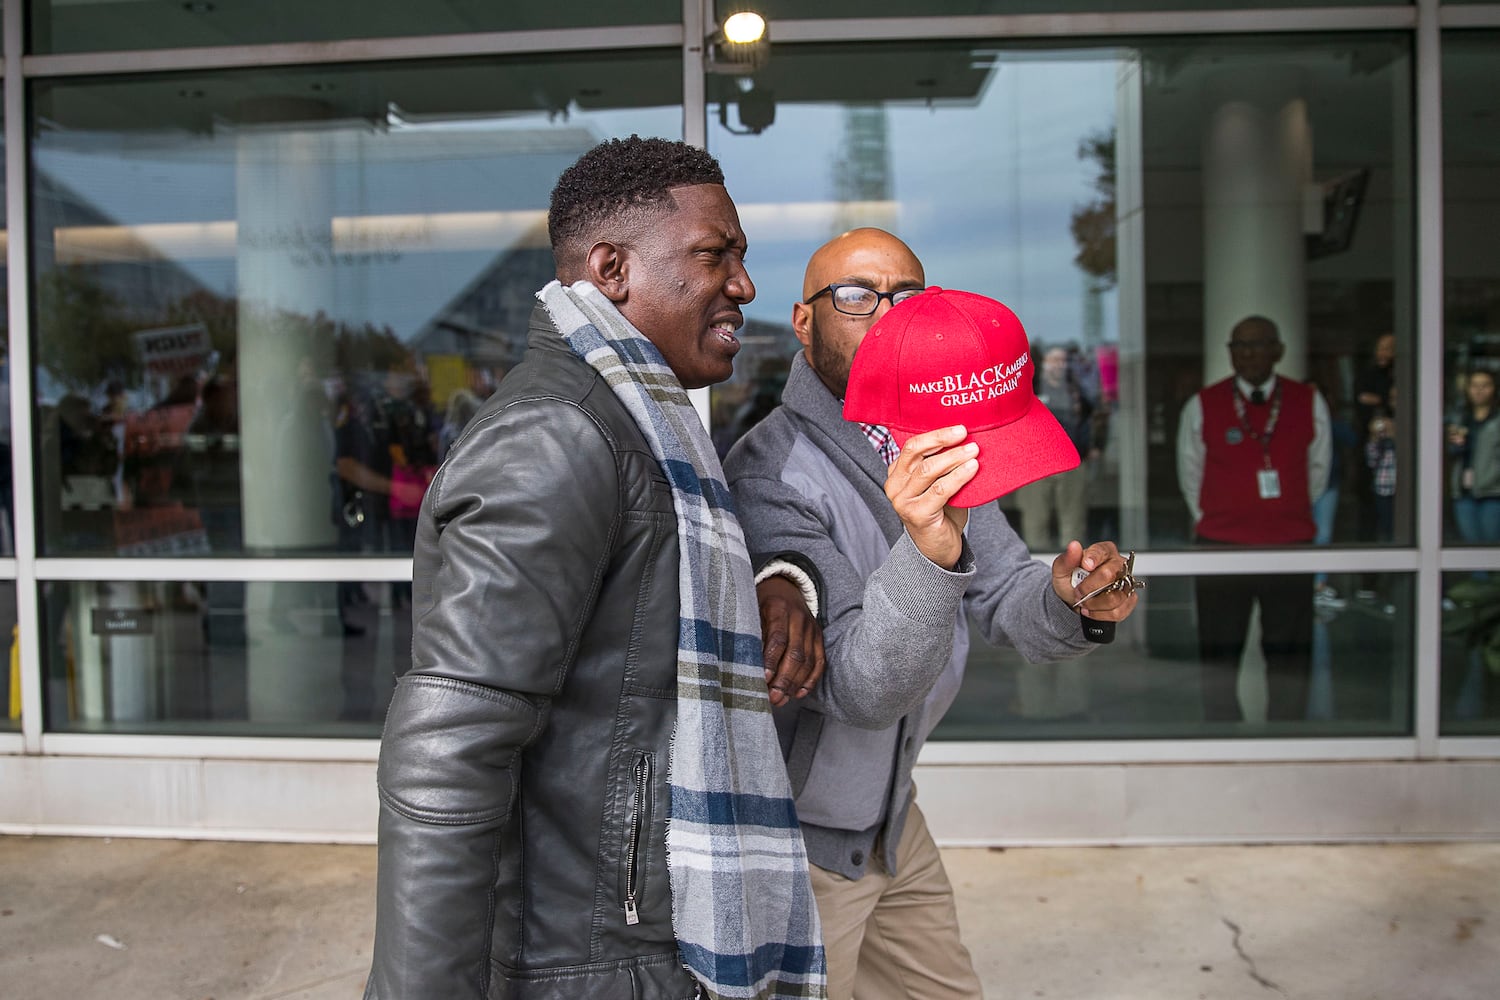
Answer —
620 174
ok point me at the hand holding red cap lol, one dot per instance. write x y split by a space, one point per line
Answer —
948 357
931 469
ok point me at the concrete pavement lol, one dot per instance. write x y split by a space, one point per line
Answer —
202 920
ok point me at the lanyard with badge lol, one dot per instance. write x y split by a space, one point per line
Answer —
1267 478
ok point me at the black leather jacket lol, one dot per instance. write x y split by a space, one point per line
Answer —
523 792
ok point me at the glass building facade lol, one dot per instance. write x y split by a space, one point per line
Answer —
264 260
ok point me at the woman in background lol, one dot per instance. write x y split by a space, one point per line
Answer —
1474 444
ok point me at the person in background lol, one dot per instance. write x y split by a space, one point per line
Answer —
154 442
462 405
210 478
1473 434
1474 450
1380 458
1064 495
1044 690
1325 508
1372 399
1252 456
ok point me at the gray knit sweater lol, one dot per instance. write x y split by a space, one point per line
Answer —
807 481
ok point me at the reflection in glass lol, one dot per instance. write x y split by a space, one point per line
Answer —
109 25
1102 193
10 675
1470 688
223 657
1350 673
1471 287
267 301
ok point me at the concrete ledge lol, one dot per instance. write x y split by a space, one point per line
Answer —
1262 802
967 805
309 801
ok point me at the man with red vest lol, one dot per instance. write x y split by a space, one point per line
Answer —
1252 456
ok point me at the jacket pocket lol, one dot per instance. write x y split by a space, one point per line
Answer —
636 849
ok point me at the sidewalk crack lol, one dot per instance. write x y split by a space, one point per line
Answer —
1254 972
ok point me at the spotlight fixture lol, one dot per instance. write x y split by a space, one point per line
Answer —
741 44
744 26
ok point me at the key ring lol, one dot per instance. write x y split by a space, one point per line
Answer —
1126 582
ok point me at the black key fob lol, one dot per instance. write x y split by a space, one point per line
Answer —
1093 629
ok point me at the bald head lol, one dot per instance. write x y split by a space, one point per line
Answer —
872 258
856 255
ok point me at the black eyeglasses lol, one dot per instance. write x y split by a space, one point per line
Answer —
857 300
1246 346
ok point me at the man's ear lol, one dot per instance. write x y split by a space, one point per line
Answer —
802 322
608 270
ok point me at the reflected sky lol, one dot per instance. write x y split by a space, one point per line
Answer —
984 190
418 214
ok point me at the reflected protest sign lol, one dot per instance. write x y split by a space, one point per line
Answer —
174 350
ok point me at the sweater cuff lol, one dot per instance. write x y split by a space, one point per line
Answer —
780 567
918 588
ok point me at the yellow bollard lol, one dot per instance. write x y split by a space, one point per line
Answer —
15 671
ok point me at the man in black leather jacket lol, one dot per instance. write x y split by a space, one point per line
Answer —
522 774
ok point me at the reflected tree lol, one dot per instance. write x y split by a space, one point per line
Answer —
87 333
84 332
1093 224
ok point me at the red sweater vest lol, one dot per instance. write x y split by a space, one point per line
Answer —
1230 499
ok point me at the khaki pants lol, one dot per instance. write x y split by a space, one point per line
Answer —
895 938
1066 494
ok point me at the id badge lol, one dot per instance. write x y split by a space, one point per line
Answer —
1270 484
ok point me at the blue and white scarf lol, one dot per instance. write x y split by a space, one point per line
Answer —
742 903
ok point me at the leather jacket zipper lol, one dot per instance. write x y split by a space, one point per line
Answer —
635 820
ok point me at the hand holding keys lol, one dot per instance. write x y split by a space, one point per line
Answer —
1102 631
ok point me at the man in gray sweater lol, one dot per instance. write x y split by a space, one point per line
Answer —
901 571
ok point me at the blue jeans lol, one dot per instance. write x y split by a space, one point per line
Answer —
1323 510
1478 518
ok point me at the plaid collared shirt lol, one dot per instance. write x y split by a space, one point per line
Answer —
882 441
1380 456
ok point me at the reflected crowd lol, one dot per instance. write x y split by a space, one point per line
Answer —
153 464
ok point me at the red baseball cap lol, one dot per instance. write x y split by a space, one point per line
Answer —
947 357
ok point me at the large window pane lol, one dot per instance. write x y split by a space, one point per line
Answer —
1471 654
223 658
1471 287
1132 204
1335 671
266 301
107 25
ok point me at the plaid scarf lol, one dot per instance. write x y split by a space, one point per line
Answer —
742 906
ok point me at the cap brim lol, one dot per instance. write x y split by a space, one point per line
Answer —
1029 448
